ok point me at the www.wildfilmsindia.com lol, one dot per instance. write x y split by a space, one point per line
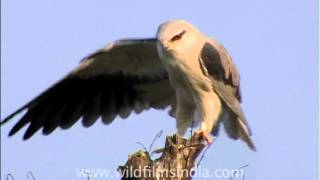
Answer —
222 173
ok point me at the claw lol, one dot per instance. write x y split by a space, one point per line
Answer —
206 136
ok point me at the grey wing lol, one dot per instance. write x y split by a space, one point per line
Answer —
125 76
217 64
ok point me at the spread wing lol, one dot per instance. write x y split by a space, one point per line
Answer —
125 76
217 64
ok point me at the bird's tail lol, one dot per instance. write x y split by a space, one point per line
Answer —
244 133
236 128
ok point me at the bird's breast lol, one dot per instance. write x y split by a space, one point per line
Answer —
186 74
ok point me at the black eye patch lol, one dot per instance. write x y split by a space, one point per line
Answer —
178 36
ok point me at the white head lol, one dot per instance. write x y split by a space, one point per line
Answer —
176 37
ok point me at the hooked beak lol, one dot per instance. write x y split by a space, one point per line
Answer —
163 46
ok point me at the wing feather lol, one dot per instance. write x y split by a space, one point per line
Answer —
216 63
116 80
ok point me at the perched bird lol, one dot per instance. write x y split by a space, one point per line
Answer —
180 68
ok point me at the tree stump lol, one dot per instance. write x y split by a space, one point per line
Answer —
177 161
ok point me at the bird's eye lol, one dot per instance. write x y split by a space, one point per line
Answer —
178 36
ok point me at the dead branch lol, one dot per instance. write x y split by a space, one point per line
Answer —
176 162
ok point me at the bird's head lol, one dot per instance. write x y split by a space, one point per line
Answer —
176 37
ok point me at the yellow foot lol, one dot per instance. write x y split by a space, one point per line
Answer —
206 136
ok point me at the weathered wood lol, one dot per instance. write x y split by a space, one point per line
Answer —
176 162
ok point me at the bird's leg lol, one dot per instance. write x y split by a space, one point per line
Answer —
182 124
210 108
206 135
184 116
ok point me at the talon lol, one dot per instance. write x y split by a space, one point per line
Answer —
206 136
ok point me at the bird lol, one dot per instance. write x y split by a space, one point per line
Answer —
180 69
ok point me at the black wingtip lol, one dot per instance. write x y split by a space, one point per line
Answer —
11 133
29 133
8 118
27 136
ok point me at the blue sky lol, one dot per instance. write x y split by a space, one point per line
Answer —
273 43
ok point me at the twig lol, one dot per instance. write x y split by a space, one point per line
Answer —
144 147
30 176
191 130
10 177
154 139
203 154
242 167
